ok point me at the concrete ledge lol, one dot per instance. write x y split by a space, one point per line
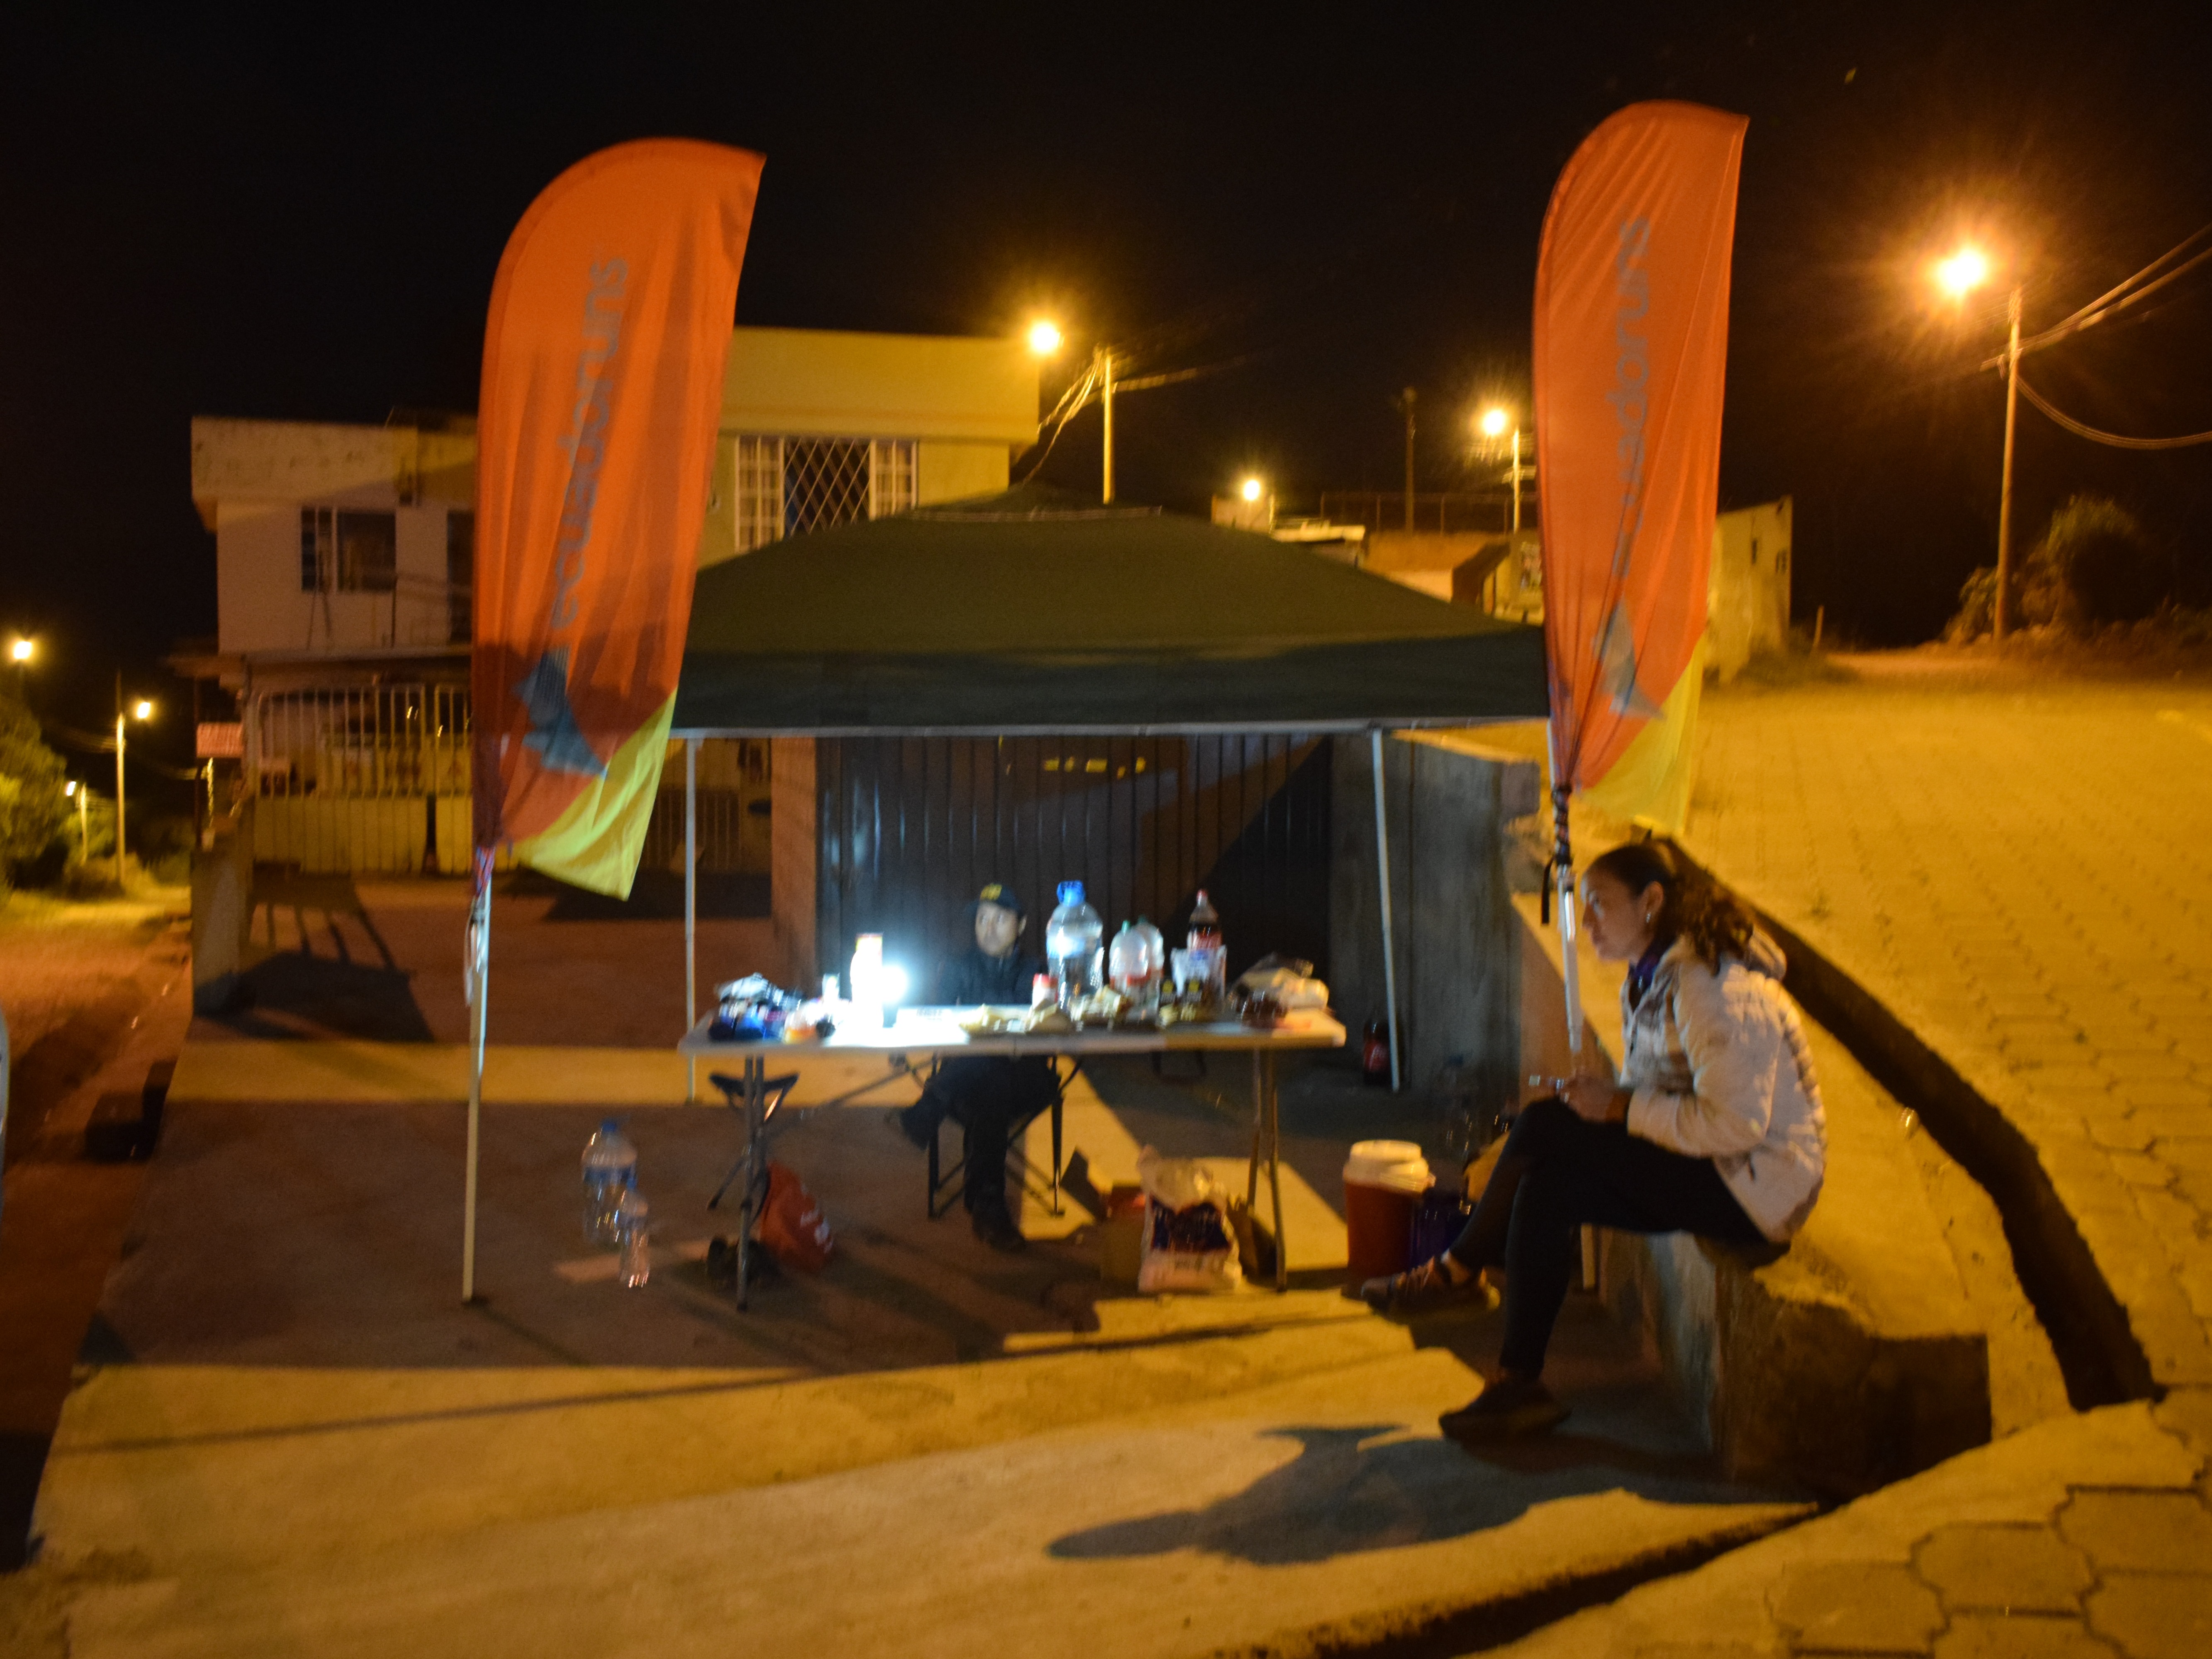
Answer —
1853 1360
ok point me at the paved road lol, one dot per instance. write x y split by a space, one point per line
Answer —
2016 862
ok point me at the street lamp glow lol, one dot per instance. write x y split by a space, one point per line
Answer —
1044 338
1963 272
1252 489
144 710
1493 422
20 649
69 788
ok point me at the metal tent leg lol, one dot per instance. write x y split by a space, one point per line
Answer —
691 907
1389 940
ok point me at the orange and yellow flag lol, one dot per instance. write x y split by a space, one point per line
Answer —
610 318
1631 360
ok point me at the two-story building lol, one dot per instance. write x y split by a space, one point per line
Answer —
344 556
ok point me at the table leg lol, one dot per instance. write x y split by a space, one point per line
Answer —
1259 1132
756 1129
1275 1177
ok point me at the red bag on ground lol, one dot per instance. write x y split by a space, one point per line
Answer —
791 1225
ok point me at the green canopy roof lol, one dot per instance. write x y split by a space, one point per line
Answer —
1036 611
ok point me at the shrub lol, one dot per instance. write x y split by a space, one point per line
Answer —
32 806
2114 571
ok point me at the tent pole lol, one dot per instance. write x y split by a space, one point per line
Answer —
479 976
690 906
1383 879
1563 865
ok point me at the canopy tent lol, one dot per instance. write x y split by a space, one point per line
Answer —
1038 611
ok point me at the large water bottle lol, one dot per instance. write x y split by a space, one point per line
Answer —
1071 946
609 1170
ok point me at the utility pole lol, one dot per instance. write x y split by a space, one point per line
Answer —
2002 621
1407 401
1517 478
1106 402
118 779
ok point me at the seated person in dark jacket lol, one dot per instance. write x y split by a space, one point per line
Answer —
984 1094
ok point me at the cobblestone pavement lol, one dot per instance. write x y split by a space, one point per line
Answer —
2017 864
2006 1551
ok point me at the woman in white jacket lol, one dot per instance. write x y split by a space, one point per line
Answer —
1714 1125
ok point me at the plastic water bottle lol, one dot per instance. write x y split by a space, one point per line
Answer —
1133 964
1072 940
631 1213
609 1170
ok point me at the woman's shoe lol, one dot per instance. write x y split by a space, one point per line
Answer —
1418 1289
1508 1409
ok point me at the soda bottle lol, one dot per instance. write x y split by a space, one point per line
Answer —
1209 956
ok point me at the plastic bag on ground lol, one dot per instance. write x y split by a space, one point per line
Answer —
1189 1243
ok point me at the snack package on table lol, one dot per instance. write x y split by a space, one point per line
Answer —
1188 1245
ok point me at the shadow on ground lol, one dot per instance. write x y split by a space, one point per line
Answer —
1371 1487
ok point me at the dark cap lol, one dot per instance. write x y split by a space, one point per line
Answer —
1001 894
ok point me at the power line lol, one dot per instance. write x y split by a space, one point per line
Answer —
2116 439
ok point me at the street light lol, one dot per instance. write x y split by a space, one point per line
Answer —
1044 338
1960 276
21 650
1252 488
82 796
142 710
1492 424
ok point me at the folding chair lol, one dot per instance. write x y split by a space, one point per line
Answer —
942 1184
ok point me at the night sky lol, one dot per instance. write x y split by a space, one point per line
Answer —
299 220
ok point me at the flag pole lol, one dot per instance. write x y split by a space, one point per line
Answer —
478 978
1563 865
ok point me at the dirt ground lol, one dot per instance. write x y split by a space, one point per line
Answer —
94 994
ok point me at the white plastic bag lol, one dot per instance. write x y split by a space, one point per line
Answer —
1189 1243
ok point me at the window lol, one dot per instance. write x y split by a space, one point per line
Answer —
351 552
794 486
760 492
460 576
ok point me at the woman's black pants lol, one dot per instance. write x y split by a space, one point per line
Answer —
1560 1173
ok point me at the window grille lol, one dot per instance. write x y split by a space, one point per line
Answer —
793 486
760 492
353 552
460 576
825 482
316 532
891 477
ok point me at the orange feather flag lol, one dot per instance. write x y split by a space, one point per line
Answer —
610 319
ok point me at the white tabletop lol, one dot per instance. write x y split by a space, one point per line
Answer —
937 1032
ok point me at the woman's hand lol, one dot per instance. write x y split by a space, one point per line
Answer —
1598 1099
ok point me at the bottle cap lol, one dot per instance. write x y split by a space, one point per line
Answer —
1071 892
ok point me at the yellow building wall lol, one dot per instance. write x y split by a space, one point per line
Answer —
951 471
825 384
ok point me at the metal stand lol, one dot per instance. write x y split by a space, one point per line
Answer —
1267 1143
756 1167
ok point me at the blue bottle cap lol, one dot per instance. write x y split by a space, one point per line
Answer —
1071 892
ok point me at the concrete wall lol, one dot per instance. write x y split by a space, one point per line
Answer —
1853 1360
260 607
1501 572
1747 591
1458 968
